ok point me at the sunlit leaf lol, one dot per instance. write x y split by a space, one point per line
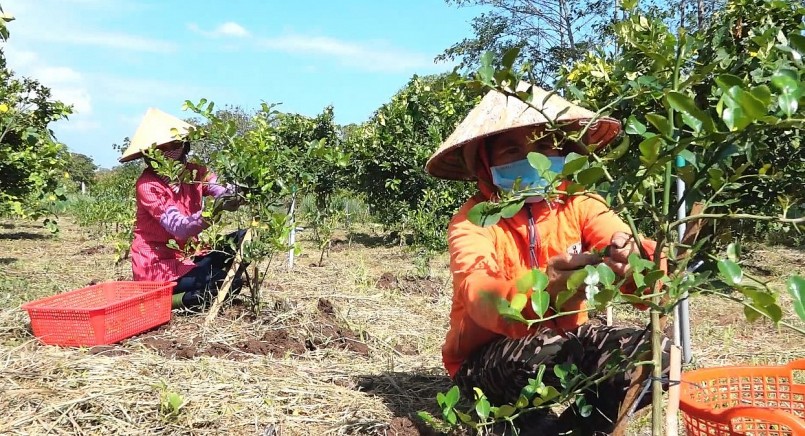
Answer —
482 408
796 287
650 148
733 251
540 162
573 163
730 271
518 302
660 123
540 302
634 126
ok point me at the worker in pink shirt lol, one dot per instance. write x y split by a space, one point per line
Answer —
172 210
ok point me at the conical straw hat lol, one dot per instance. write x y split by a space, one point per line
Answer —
496 113
156 129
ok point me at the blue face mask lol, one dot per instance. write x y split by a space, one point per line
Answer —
504 176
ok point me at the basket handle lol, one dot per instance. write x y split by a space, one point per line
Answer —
798 364
775 416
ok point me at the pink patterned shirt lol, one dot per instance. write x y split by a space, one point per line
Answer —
165 213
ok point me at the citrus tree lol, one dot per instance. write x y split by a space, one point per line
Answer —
390 151
269 164
32 162
717 122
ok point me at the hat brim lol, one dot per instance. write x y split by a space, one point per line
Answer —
456 161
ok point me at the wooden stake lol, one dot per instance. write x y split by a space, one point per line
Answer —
230 277
610 315
672 412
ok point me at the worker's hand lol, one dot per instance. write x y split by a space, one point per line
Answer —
227 202
562 266
621 245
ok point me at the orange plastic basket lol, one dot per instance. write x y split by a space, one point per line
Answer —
101 314
744 400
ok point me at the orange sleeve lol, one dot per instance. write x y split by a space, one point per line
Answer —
478 279
597 221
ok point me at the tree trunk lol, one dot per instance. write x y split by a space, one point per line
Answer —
700 14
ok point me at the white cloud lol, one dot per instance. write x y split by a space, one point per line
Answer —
231 28
79 125
371 57
118 41
66 84
143 92
228 29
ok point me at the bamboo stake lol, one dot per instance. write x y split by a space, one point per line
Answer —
230 277
672 410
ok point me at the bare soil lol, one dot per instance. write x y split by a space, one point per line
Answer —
350 347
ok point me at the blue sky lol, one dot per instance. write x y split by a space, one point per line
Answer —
112 59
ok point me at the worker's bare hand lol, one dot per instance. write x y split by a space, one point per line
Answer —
621 245
562 266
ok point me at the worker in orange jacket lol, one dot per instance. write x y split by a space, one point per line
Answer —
484 350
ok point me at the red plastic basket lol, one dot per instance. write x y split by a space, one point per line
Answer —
744 400
101 314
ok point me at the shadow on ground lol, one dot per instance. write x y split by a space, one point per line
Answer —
23 235
406 393
372 241
7 260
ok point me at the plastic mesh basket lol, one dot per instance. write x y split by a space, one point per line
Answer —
101 314
738 400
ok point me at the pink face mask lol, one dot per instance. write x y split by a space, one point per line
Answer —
175 154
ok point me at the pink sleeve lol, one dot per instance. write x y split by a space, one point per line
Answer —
154 198
211 187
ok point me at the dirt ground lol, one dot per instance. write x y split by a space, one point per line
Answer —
351 347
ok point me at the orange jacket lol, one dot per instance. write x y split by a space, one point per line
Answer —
491 259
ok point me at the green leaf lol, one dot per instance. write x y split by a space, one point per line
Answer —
590 175
541 281
785 80
562 298
484 214
660 123
573 163
730 271
504 411
540 162
518 302
620 150
510 56
486 73
650 149
452 396
511 209
762 93
632 299
751 106
796 287
687 106
605 274
540 302
482 408
759 297
788 103
727 81
487 58
735 119
751 314
733 252
634 126
527 281
576 280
